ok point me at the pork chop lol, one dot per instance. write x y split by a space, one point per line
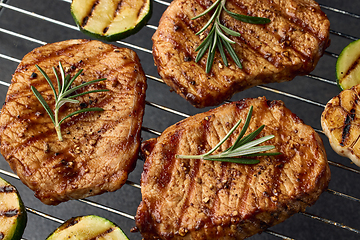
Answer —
99 149
290 45
202 199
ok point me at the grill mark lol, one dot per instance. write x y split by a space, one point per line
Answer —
269 57
7 189
65 125
352 67
216 201
141 9
193 174
10 213
169 160
39 56
347 126
2 235
118 8
103 234
185 23
48 58
86 18
188 24
74 119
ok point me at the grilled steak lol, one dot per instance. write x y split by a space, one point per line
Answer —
290 45
99 148
201 199
340 123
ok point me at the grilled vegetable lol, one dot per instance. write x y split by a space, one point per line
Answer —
111 20
88 227
348 66
340 122
13 216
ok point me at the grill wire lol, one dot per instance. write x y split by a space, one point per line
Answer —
39 19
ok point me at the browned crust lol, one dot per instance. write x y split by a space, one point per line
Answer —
99 148
290 45
196 199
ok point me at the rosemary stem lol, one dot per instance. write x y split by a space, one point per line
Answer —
57 125
191 156
58 131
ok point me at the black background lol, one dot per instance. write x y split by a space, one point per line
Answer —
126 200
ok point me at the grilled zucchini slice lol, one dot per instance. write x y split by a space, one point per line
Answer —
348 66
88 227
111 20
13 216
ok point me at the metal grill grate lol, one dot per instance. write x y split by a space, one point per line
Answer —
26 24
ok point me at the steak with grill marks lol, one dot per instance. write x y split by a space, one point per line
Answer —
99 149
201 199
290 45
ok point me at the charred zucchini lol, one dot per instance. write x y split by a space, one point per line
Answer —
111 20
348 66
13 216
88 227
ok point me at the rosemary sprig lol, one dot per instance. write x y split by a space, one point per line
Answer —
244 147
217 36
63 95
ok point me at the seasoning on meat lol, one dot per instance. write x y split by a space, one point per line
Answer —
201 199
99 149
290 45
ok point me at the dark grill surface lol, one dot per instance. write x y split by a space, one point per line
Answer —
27 24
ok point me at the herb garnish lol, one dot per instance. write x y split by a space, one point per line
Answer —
62 97
243 146
217 37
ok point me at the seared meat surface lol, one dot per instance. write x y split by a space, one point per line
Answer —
290 45
340 122
200 199
99 148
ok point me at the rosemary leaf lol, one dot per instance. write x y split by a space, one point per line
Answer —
217 11
92 91
43 103
235 160
229 31
263 154
243 130
73 79
222 52
210 59
81 111
68 92
232 53
207 40
247 151
47 79
253 143
250 136
242 150
222 35
60 103
57 79
62 96
63 77
218 38
247 19
207 10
